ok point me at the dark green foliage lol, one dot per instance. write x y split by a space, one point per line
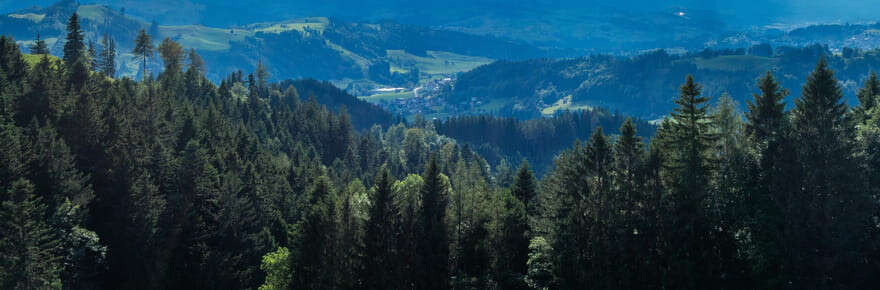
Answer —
501 139
180 183
107 56
525 189
830 202
511 245
74 46
313 261
381 260
29 248
143 48
39 46
432 268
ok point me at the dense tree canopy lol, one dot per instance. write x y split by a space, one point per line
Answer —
177 182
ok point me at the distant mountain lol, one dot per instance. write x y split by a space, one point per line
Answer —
357 56
642 85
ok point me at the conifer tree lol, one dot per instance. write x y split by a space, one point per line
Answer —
771 182
524 189
832 209
511 244
107 60
869 93
628 151
143 48
433 241
28 247
382 232
39 46
93 59
690 234
74 47
313 262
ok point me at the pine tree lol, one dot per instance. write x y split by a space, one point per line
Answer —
869 93
42 100
567 188
382 232
39 46
262 74
628 151
313 261
524 189
107 60
831 208
771 183
28 247
75 58
92 56
75 46
691 235
433 241
511 244
143 48
691 127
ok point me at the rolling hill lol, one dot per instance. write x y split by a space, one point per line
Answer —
642 85
356 56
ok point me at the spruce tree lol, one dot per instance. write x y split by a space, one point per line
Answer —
28 247
39 46
511 244
143 48
433 240
690 234
524 189
74 47
771 167
382 232
93 59
108 56
628 151
313 261
831 208
869 93
75 58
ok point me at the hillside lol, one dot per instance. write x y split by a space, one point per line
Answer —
356 56
642 85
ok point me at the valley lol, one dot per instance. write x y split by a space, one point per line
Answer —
462 144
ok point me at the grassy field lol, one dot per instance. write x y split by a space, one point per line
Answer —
203 37
387 97
92 12
437 62
313 23
735 63
564 104
33 59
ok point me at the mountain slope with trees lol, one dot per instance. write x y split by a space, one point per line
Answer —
177 182
640 85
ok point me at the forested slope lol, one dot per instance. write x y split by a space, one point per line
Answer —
176 182
642 85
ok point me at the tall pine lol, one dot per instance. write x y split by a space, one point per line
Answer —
831 209
433 239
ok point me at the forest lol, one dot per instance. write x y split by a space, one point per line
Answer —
175 182
643 84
